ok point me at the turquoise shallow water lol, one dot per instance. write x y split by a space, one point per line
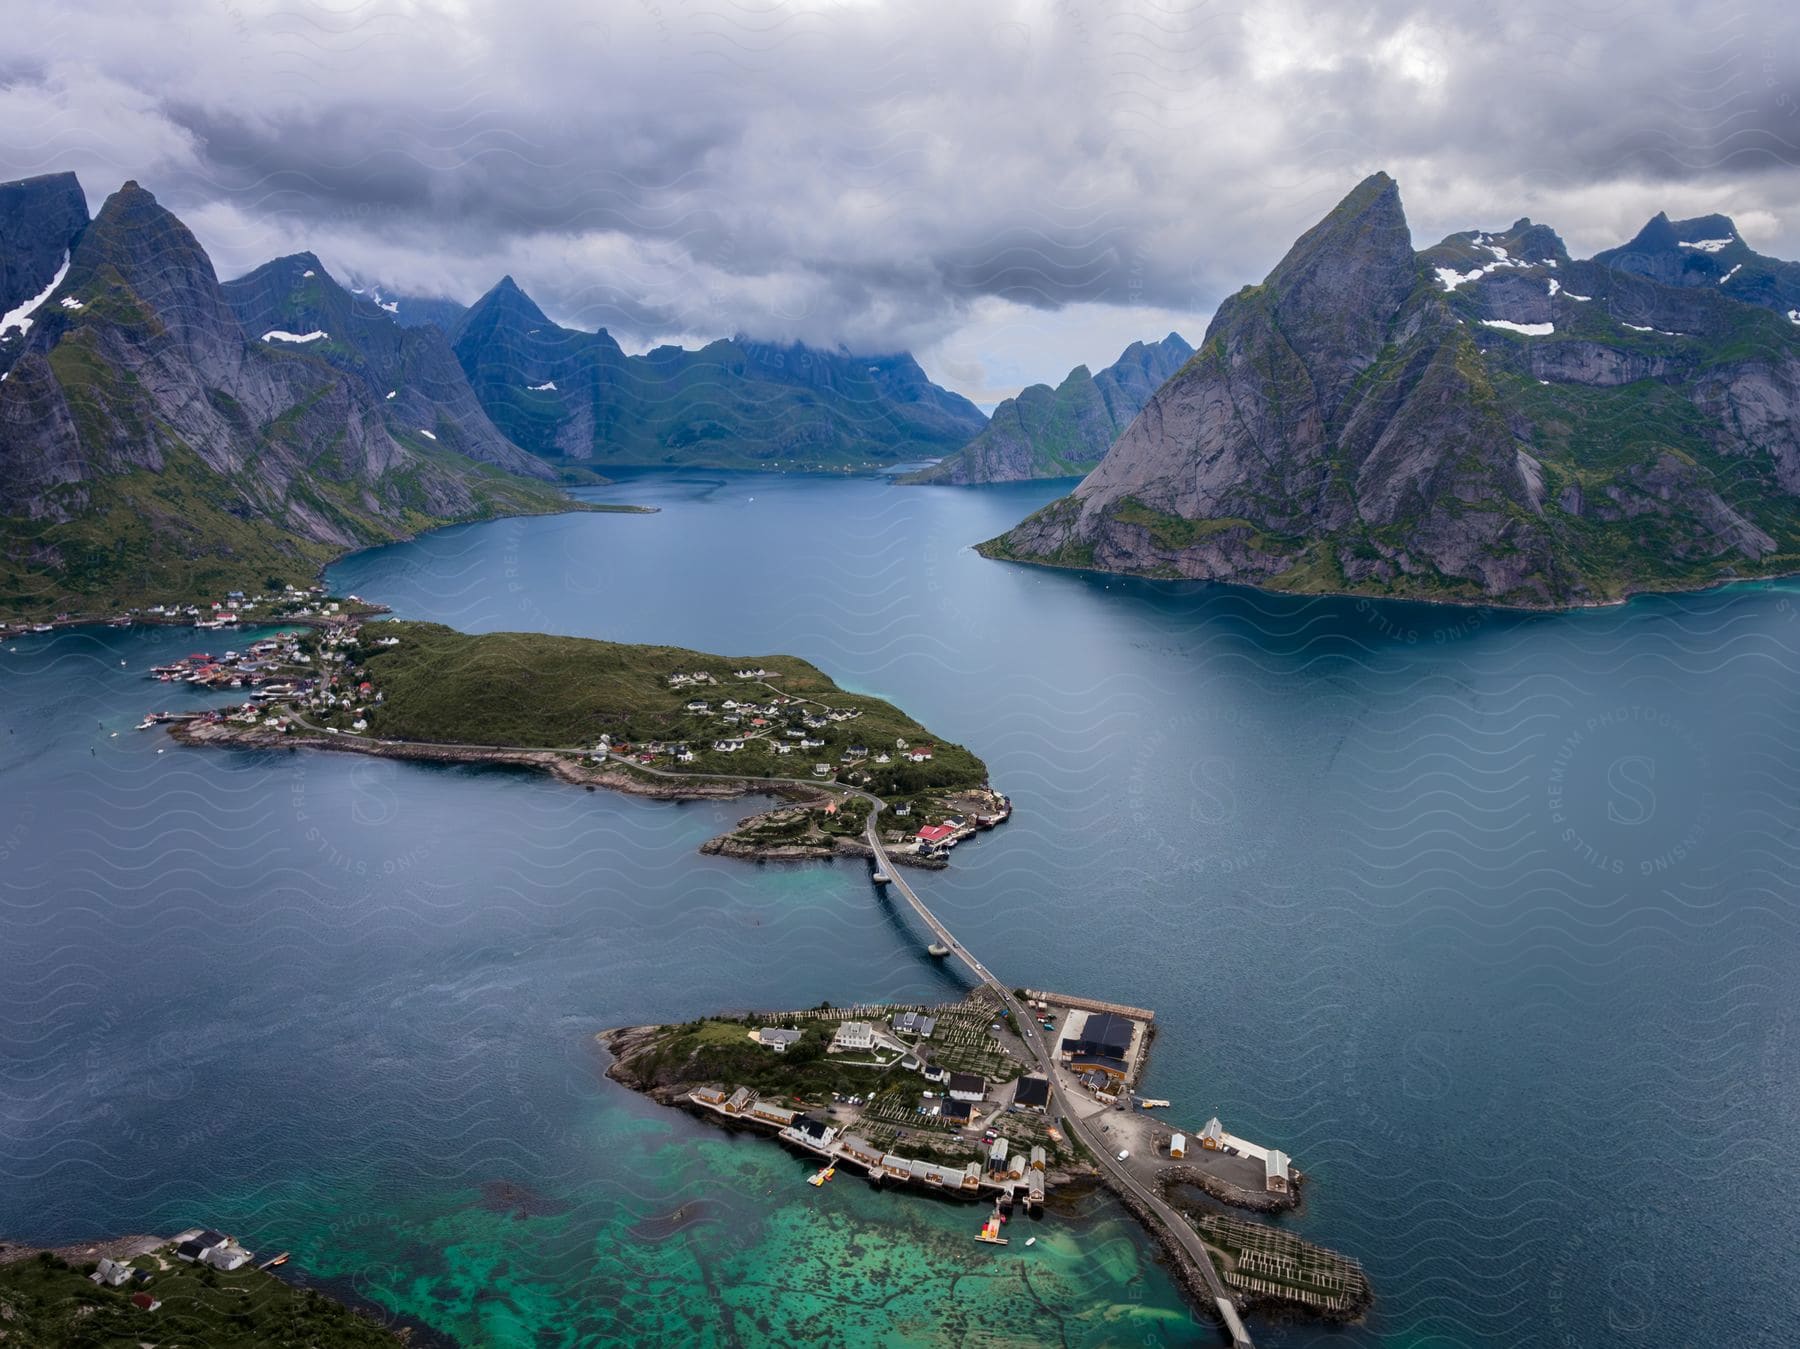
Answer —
1487 919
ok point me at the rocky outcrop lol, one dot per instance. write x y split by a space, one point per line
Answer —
576 397
1487 420
1062 432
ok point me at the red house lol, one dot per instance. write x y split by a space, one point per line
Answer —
935 833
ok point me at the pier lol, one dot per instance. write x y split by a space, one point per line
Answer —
1139 1197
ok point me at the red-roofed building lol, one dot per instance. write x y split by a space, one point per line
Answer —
935 833
919 753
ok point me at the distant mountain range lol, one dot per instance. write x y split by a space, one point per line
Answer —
576 397
163 435
1486 420
1062 432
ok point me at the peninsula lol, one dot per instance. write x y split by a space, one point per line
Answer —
655 721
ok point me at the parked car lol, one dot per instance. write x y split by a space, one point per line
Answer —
1124 1153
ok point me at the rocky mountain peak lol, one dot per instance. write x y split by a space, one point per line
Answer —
1339 287
40 220
135 241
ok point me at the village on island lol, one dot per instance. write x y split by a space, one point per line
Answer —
1000 1098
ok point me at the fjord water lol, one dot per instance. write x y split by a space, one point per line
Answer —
1488 919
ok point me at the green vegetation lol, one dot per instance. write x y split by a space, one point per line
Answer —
46 1303
539 691
185 533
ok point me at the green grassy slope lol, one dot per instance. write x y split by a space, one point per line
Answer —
530 689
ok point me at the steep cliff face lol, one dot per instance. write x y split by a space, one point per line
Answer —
575 397
411 372
1062 432
1486 420
146 441
40 220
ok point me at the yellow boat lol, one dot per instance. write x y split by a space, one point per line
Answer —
820 1177
990 1230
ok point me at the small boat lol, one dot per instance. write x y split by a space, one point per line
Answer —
820 1177
281 1259
145 724
1031 1241
937 949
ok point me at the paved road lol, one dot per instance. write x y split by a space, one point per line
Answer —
1029 1031
1177 1226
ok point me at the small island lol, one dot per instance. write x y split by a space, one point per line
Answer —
959 1101
654 721
198 1287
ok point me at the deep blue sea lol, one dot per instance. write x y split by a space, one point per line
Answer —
1488 919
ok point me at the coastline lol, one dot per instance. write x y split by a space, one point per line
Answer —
16 624
1498 606
644 1059
574 769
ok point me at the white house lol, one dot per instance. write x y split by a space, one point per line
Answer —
226 1257
111 1273
777 1038
728 746
854 1035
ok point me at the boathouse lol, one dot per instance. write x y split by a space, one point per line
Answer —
739 1101
971 1179
1276 1177
1178 1146
777 1115
1038 1158
860 1149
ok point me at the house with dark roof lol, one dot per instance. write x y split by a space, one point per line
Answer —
958 1110
1102 1045
967 1086
1032 1092
1104 1034
199 1244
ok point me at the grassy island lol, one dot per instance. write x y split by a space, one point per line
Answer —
49 1301
651 720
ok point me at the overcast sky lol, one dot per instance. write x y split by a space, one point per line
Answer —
1004 188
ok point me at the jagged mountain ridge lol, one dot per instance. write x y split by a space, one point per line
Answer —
411 372
40 220
148 443
1483 421
1062 432
576 397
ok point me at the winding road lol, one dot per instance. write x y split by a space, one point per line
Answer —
1176 1227
1173 1223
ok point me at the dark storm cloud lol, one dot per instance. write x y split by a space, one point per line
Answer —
890 175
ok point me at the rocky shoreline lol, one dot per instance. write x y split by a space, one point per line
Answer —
633 1064
575 770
